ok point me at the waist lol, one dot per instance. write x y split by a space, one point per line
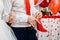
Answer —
20 25
22 28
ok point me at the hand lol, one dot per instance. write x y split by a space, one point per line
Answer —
12 18
39 14
32 21
38 17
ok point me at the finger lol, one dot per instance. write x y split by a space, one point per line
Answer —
40 15
33 24
37 21
11 21
37 13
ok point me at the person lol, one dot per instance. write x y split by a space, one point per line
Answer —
6 32
21 16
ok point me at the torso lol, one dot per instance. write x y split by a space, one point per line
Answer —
19 8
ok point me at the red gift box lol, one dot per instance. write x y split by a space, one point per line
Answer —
40 26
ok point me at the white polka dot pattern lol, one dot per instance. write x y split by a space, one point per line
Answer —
53 27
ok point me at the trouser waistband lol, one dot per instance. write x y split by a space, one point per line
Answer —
23 28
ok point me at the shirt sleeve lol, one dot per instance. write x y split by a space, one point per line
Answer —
7 9
34 11
1 8
39 1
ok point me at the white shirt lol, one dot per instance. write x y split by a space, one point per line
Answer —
18 6
1 8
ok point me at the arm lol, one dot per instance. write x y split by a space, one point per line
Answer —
7 9
1 8
35 12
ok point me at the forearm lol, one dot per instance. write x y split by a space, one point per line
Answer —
36 12
5 16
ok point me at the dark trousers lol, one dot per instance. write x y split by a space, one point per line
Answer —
28 33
